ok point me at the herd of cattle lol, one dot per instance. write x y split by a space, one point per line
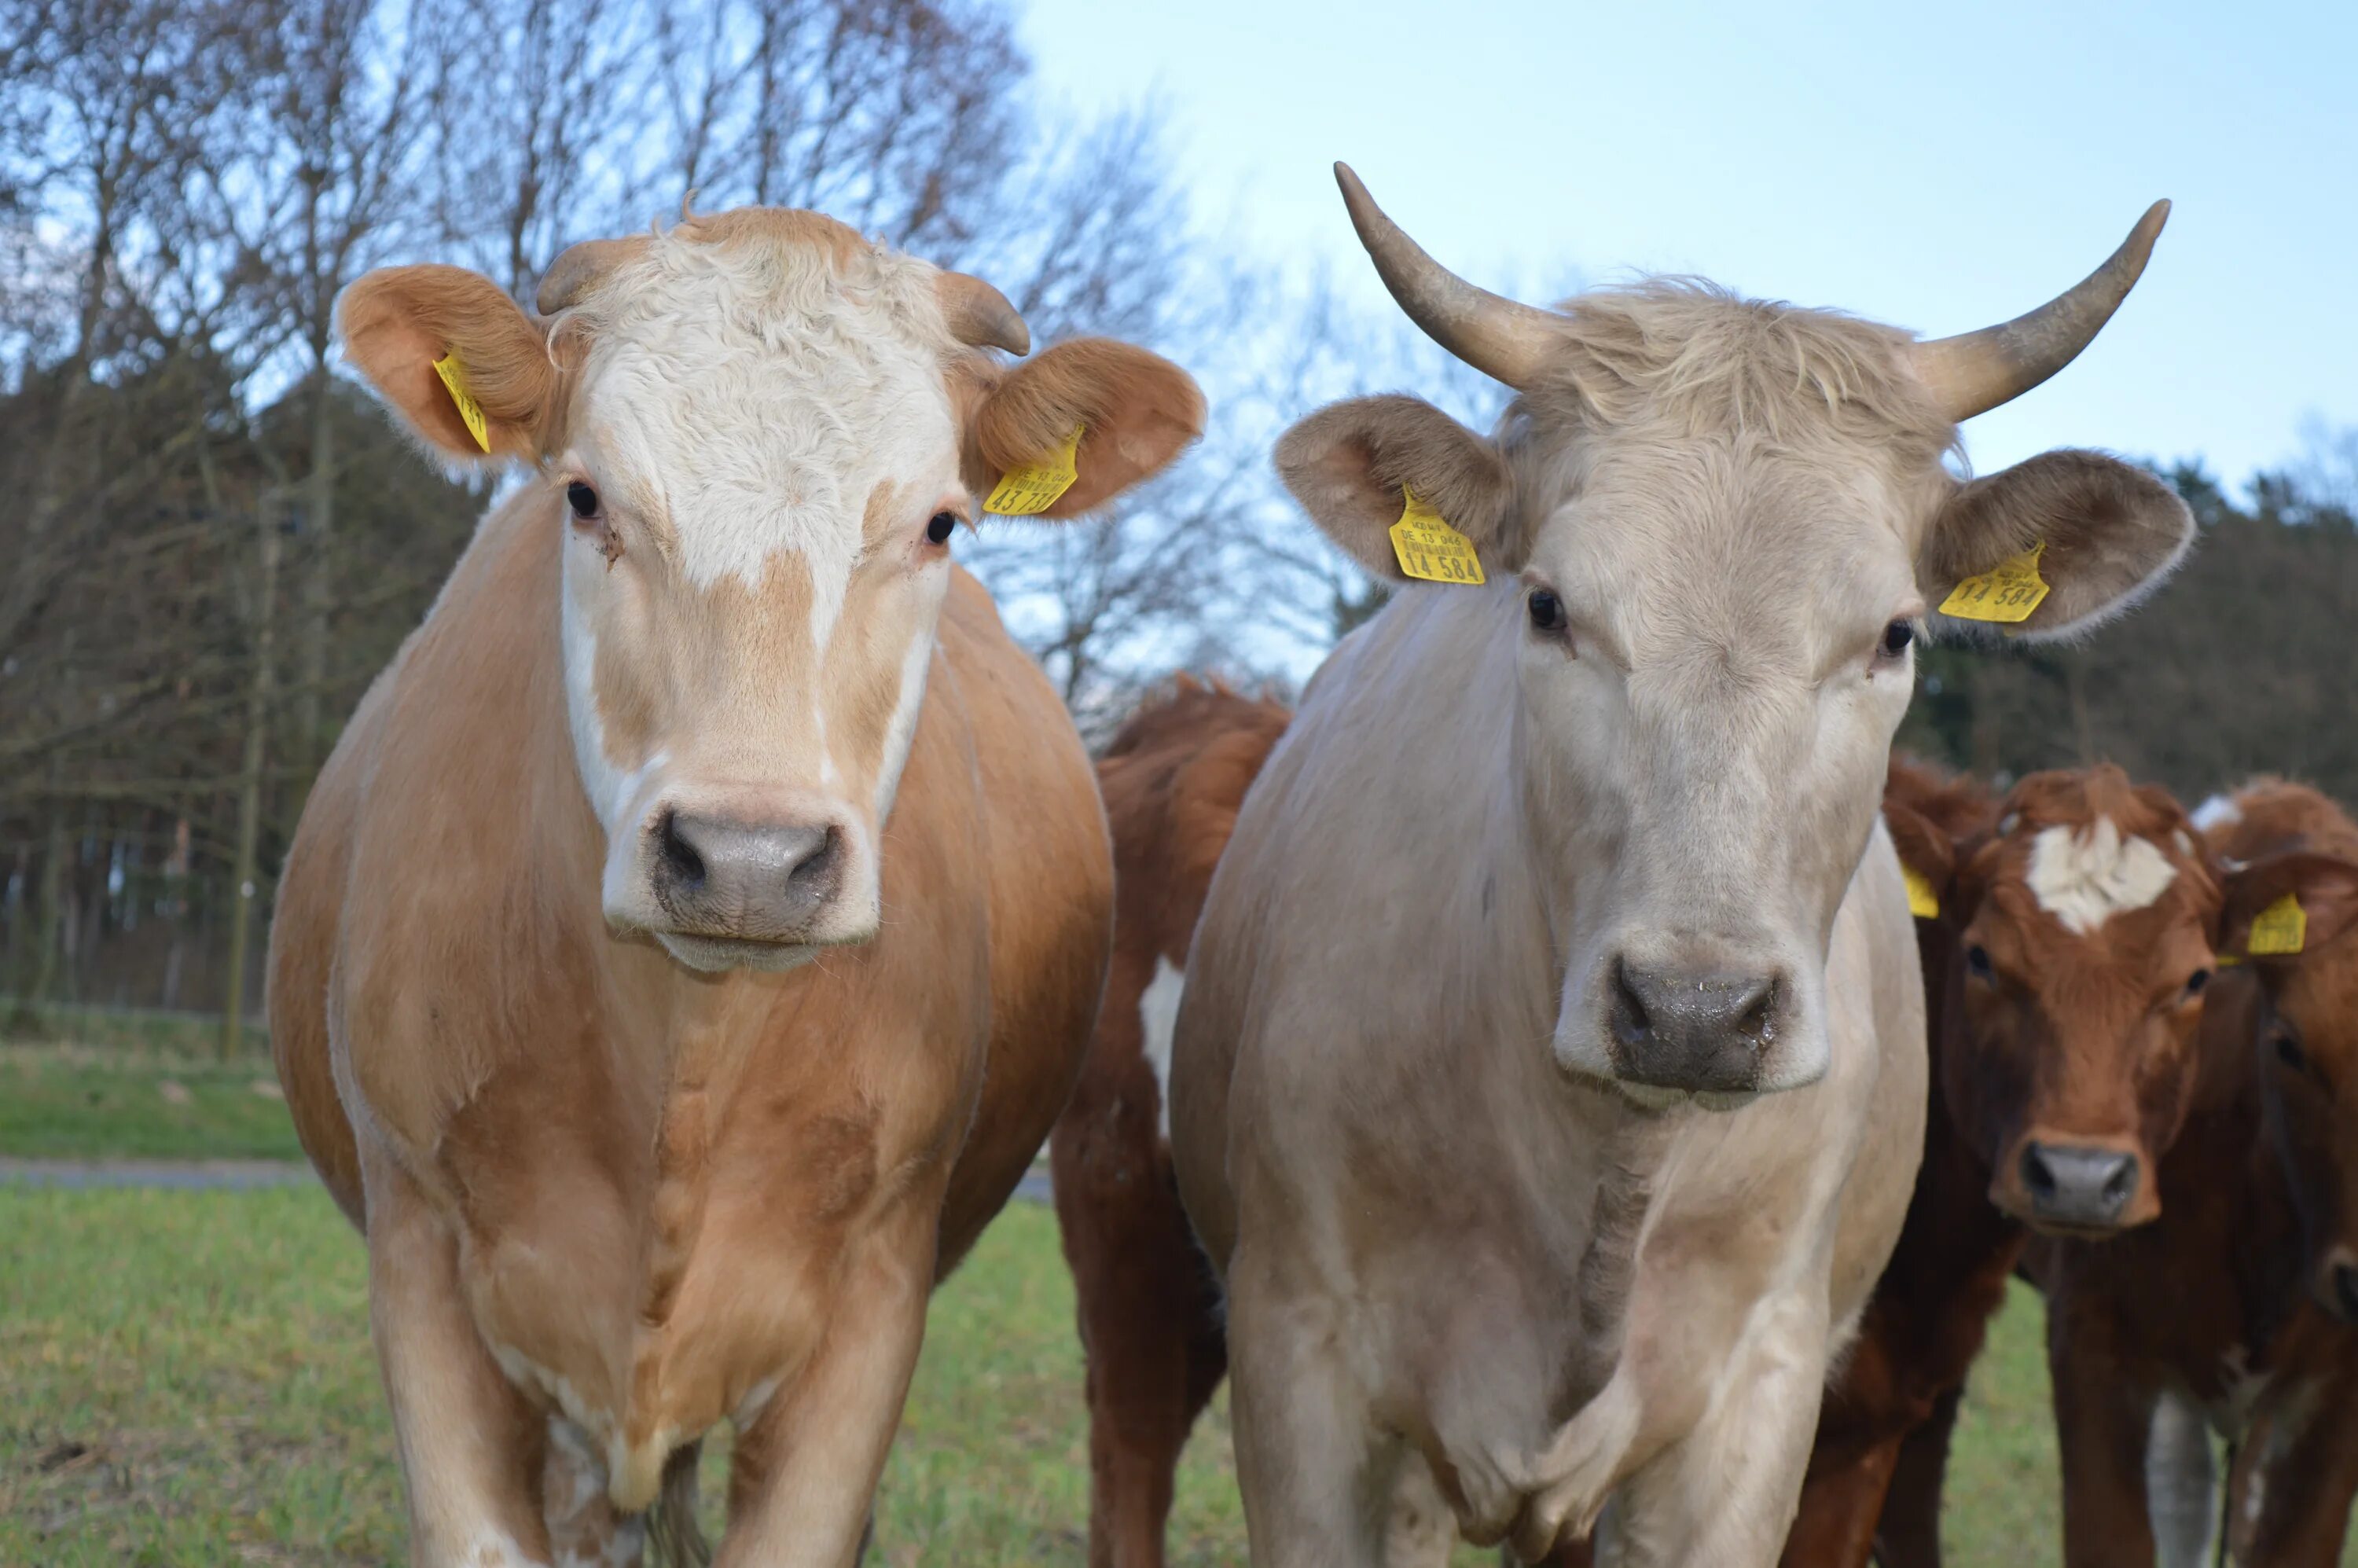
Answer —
1587 1096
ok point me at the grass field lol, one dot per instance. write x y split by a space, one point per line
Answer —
61 1102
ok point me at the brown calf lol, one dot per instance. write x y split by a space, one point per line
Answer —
2063 973
2234 1311
1148 1304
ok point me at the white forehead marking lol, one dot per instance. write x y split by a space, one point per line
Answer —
2085 879
2219 811
1158 1020
761 389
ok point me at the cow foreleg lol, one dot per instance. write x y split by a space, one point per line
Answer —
471 1445
2296 1475
2104 1422
1315 1494
805 1471
1908 1536
1842 1499
1726 1492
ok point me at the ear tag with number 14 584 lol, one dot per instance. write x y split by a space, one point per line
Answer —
2006 593
1428 548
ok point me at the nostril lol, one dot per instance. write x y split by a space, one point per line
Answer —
1630 1022
2121 1184
1754 1020
676 858
817 866
2038 1176
2345 1285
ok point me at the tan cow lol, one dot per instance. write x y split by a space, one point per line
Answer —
1553 881
699 924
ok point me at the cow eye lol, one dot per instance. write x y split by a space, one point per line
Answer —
1978 959
941 528
1546 611
2196 981
582 499
1896 639
2289 1052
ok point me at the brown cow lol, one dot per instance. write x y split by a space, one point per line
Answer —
699 924
2235 1310
2063 976
1149 1303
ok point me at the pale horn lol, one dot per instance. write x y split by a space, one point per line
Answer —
579 266
1973 372
1505 340
981 316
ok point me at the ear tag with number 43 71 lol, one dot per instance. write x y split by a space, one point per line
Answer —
1030 489
1428 548
2006 593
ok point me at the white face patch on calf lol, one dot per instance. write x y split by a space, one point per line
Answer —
2084 879
1157 1015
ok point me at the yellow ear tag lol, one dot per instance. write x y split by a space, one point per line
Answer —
2007 592
1923 903
2279 929
1428 548
1032 488
447 367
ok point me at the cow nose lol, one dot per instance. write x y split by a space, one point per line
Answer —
754 881
2083 1187
1692 1028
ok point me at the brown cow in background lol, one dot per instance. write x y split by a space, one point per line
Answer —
2234 1311
1148 1304
2063 972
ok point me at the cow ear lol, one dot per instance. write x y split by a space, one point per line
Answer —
1135 410
2106 534
1348 463
1923 848
461 363
2324 886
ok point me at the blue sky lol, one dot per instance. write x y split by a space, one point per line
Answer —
1940 168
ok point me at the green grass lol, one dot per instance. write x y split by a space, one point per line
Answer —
133 1029
190 1382
60 1102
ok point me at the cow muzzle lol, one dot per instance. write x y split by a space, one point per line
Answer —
2075 1186
731 884
1700 1031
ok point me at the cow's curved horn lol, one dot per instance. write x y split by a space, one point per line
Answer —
979 315
579 266
1973 372
1505 340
